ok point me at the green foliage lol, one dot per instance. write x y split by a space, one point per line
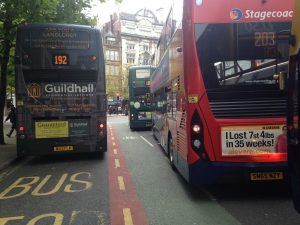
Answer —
72 12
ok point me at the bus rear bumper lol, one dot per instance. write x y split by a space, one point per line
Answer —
142 124
203 172
48 147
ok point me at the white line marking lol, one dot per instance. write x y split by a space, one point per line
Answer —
147 141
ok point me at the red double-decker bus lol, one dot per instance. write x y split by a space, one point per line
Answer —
220 113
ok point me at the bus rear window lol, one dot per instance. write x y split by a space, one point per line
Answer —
242 53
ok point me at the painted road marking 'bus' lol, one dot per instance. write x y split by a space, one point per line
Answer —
95 217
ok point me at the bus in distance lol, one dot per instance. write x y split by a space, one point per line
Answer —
140 101
60 89
221 113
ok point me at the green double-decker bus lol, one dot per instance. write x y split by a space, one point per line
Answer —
60 89
140 100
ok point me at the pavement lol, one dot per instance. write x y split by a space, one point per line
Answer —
8 151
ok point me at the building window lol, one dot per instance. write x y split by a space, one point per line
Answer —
112 55
115 70
130 58
112 70
107 54
146 47
130 46
146 62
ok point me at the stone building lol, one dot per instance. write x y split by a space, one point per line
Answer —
138 35
113 57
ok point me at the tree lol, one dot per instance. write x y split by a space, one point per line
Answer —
16 12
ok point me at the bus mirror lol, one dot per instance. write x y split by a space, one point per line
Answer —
281 80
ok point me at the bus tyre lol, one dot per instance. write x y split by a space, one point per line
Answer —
171 153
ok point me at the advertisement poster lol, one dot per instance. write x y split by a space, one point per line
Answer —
250 140
63 97
51 129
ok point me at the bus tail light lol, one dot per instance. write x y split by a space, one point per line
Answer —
101 129
197 136
21 134
196 128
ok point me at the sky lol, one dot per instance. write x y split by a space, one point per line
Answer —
104 10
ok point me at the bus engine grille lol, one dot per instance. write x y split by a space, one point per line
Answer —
254 108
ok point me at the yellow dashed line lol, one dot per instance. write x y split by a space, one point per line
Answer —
127 216
121 183
117 163
114 143
112 138
115 151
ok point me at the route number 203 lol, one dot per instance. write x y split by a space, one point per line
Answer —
263 39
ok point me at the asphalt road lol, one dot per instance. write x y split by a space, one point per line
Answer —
70 189
133 183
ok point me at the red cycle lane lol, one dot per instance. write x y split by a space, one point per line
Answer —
125 207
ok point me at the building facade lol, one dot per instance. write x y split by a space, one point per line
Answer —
113 58
138 35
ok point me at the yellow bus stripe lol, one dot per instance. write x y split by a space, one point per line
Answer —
121 183
117 163
127 216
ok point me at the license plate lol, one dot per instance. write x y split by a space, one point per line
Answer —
63 148
266 176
